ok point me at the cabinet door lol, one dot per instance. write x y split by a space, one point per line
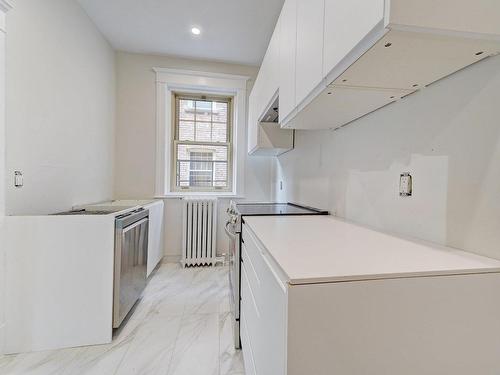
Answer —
269 69
253 120
346 24
264 90
287 47
155 243
310 21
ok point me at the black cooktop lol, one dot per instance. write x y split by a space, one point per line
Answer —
272 209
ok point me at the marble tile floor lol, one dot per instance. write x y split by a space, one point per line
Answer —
181 326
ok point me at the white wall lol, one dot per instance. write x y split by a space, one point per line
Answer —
60 108
3 7
136 137
447 136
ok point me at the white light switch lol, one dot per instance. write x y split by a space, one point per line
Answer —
405 185
18 179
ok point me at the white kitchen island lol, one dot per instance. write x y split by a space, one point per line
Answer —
59 275
323 296
59 280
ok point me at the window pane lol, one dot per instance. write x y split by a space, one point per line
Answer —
203 111
186 109
203 132
186 131
219 132
219 112
201 172
202 166
220 174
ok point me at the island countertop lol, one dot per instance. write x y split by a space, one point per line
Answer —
316 249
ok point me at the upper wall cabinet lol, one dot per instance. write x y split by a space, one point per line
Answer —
309 54
264 136
287 48
375 52
347 23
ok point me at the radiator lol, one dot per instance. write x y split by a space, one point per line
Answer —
199 229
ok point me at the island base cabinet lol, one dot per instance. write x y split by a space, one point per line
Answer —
247 348
411 326
414 325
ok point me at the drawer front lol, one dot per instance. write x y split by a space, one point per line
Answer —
263 304
250 309
254 254
251 273
260 258
247 348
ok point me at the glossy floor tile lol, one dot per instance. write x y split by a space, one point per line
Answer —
181 326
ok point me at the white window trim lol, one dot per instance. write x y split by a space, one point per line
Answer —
169 81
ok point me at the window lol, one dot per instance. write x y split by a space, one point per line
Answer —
212 119
202 143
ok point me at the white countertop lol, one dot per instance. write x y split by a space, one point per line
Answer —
313 249
122 206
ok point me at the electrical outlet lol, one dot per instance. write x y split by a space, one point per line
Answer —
405 185
18 179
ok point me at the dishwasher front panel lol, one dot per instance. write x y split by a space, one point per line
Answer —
131 246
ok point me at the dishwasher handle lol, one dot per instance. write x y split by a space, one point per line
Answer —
133 225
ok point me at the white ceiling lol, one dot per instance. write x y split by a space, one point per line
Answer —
232 30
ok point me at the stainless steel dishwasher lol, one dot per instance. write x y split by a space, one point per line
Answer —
131 251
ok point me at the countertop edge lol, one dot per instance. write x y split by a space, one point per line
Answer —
393 276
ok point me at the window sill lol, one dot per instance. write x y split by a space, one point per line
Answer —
179 195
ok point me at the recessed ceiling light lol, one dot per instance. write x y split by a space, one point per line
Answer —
196 31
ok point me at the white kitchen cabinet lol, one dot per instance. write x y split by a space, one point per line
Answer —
269 68
478 16
247 348
426 58
264 310
339 105
359 51
309 54
287 47
346 24
266 138
155 234
318 296
385 45
59 281
410 326
253 119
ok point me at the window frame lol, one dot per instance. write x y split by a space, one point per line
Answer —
169 80
176 97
